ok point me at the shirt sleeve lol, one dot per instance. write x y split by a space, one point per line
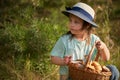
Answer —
58 49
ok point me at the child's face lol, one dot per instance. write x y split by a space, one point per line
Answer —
75 24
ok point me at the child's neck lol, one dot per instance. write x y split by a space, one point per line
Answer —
81 37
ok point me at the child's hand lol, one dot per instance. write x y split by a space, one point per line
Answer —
103 50
67 59
100 45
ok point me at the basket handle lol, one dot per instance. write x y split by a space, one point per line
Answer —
89 56
97 57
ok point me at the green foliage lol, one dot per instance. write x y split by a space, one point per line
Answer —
30 45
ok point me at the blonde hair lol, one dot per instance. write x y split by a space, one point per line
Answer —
90 29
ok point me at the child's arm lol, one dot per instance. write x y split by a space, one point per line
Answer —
57 60
103 50
60 61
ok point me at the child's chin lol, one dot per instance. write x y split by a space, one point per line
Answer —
73 32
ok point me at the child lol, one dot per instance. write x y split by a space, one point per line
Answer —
78 41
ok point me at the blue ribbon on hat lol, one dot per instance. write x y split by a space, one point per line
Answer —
81 11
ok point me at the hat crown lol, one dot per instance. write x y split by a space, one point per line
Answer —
85 7
83 11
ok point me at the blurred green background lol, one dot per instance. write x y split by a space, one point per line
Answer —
30 28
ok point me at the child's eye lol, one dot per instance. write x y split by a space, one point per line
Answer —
76 22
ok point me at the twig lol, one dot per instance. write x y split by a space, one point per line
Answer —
51 74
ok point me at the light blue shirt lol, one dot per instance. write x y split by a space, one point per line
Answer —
71 46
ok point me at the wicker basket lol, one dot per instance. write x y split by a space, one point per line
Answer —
81 73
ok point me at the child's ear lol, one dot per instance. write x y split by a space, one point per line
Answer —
88 26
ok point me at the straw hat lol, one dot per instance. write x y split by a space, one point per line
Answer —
82 11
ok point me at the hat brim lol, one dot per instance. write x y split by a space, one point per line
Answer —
80 15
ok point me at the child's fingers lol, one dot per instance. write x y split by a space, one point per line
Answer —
98 45
67 59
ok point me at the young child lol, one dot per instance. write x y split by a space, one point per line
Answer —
78 41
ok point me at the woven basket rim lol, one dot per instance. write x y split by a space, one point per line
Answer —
83 70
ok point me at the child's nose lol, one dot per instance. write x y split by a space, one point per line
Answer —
72 24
